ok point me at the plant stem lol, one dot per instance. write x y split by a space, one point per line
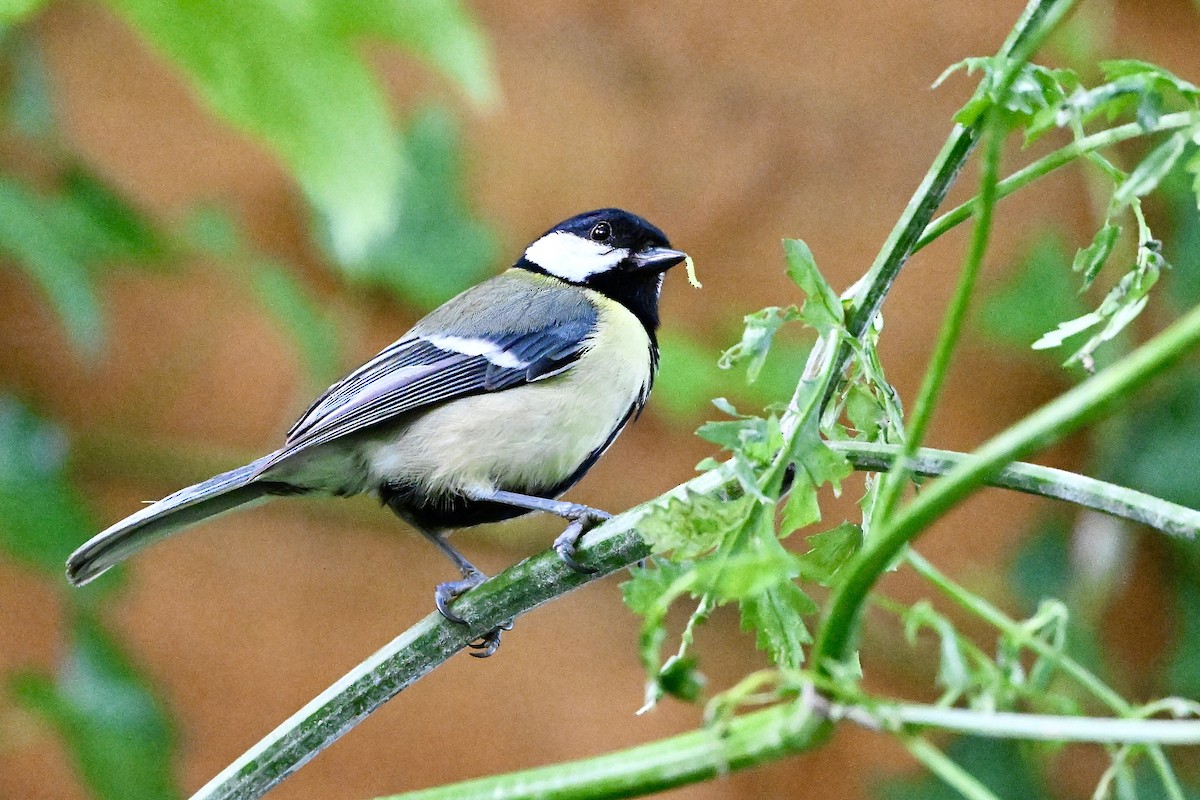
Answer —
940 765
430 642
1038 19
743 742
1170 518
761 736
1069 666
1084 403
1040 727
951 329
1052 161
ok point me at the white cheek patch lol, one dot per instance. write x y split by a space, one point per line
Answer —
470 346
572 257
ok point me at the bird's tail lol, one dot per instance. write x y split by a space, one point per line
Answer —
159 520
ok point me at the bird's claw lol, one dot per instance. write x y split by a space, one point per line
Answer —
489 643
583 519
447 593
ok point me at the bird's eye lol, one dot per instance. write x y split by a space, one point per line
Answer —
601 231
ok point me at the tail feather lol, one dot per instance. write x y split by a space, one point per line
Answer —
165 517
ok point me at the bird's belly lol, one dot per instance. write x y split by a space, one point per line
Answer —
529 438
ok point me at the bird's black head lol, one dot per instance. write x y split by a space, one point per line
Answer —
611 251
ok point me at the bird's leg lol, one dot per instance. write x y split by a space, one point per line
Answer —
582 519
448 592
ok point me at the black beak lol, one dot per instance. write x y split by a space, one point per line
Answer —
657 259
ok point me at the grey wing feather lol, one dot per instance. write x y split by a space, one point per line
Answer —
415 373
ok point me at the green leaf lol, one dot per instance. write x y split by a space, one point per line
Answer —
279 74
830 550
1152 169
682 679
759 333
776 618
688 528
440 32
30 234
289 303
115 730
17 10
104 224
746 575
647 585
1091 259
953 671
438 247
822 307
42 517
1035 299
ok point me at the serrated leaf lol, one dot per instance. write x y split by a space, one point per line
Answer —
777 619
745 575
1152 169
297 86
115 730
42 517
754 438
757 337
687 528
1066 330
830 550
1037 296
822 307
293 309
953 671
801 509
1091 259
440 32
437 247
647 585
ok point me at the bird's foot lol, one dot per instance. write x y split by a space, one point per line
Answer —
489 643
447 593
583 519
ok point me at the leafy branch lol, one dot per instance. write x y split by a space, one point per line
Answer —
715 538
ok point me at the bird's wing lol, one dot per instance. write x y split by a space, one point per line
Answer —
425 368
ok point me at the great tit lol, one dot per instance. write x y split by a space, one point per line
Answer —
491 407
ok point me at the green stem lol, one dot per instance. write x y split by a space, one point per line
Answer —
1146 509
1069 666
1040 727
1038 19
951 330
1053 161
744 741
758 737
952 774
1084 403
416 652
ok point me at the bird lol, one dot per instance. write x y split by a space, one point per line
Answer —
491 407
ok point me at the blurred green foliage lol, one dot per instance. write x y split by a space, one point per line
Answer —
41 514
438 247
295 79
117 732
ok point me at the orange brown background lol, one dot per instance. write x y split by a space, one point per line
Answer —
730 125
